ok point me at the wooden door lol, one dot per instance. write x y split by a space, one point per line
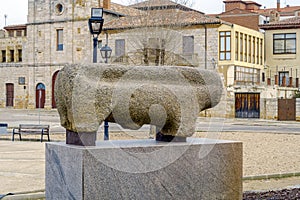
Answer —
9 95
247 105
40 95
287 109
53 89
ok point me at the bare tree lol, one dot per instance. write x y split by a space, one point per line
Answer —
156 34
189 3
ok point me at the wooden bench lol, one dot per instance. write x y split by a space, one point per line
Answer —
31 129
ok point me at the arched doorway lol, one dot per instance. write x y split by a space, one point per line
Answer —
53 89
40 95
9 94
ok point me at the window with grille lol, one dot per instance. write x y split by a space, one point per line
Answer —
245 75
284 76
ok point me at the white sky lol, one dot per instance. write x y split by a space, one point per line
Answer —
16 10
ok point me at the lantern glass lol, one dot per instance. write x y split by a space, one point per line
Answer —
105 51
96 21
95 25
97 13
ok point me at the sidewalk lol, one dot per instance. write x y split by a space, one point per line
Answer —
22 166
14 117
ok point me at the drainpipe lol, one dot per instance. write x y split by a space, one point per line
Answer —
205 28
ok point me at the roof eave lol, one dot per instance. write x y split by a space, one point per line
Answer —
114 13
173 25
273 27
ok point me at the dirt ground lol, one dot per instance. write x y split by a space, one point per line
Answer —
263 154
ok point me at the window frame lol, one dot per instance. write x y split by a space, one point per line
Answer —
3 54
20 55
12 55
59 40
120 49
246 47
237 46
280 78
225 51
246 75
253 49
284 40
188 45
11 33
241 47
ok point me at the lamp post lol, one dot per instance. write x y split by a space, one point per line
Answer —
106 50
105 54
95 25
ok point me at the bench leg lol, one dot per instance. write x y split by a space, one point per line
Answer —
13 136
42 136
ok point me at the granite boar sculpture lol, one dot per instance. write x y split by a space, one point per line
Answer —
131 96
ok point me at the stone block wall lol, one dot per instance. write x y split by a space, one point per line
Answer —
134 44
269 108
298 109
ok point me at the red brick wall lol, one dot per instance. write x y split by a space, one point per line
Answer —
246 21
230 6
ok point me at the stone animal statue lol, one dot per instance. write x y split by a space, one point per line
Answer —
165 96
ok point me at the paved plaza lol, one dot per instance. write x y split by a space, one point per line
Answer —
270 148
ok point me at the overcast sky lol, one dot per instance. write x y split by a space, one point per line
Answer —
16 10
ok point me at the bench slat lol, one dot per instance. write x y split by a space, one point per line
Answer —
33 126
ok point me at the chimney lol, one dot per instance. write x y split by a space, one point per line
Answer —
274 16
278 5
106 4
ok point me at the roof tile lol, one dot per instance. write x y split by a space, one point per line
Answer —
287 23
161 18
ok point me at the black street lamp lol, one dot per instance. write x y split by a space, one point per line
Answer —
95 24
106 53
106 50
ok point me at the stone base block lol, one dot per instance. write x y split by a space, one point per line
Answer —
145 169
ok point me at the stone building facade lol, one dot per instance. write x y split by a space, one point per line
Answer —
56 33
13 41
236 52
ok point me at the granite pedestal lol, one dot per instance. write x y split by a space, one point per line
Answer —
145 169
